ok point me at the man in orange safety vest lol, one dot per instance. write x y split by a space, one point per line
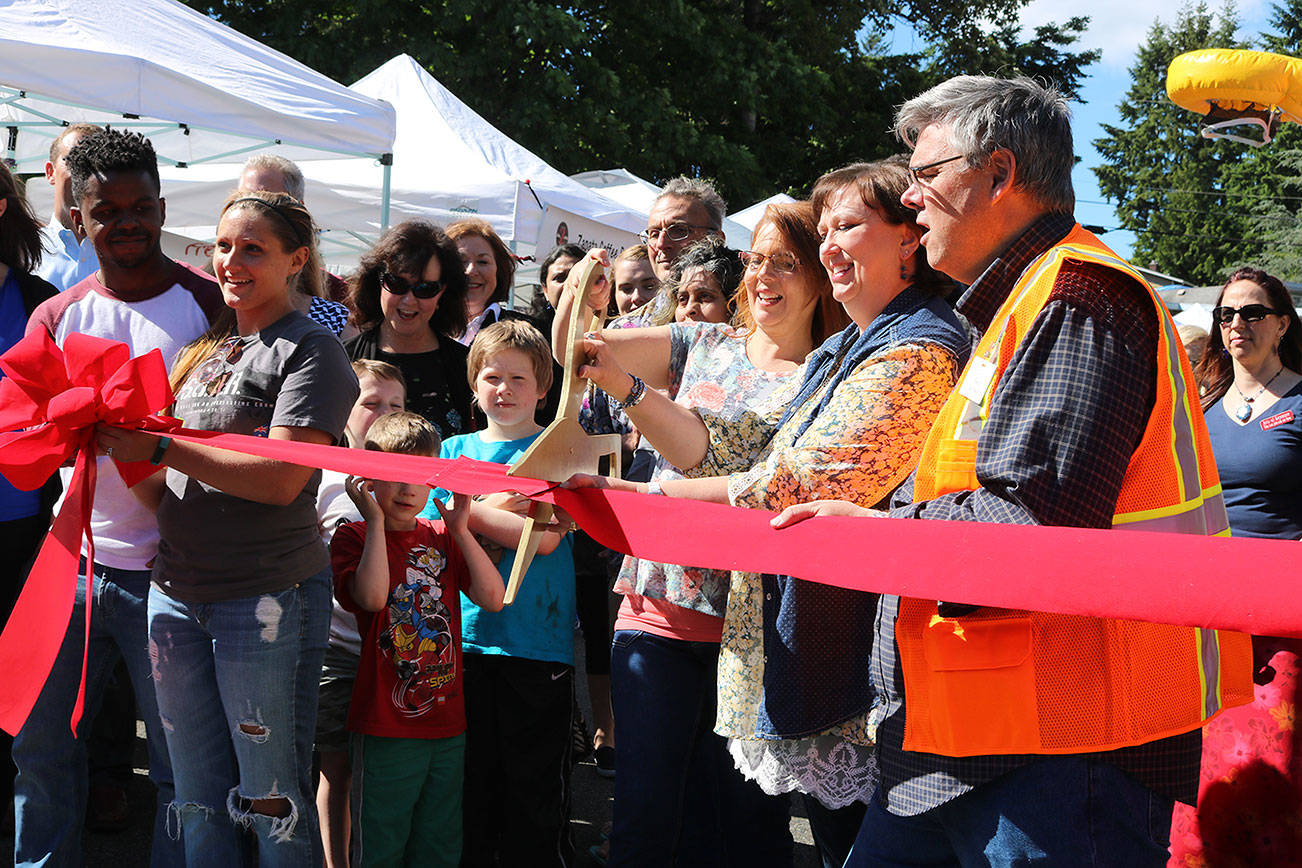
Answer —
1013 736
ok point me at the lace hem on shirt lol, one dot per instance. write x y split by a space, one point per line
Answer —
834 771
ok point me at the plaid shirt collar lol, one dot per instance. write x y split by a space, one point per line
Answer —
983 298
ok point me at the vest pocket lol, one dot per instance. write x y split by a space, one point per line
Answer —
956 466
982 695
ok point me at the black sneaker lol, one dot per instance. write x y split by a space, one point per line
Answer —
606 761
581 744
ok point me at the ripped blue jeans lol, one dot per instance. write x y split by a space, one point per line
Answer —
237 687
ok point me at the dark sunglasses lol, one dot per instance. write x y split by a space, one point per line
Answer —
424 289
1248 313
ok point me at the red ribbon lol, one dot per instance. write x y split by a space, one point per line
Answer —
55 397
1145 576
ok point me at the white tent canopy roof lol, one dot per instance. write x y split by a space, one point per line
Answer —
444 148
748 217
622 186
200 90
448 163
625 187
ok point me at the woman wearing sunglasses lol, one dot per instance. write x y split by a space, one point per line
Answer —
1251 374
409 293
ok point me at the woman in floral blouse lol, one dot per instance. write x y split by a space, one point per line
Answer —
675 795
794 689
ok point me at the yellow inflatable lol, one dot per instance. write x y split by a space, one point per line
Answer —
1233 88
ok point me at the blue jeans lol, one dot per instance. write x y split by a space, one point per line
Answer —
678 798
1056 811
237 683
50 790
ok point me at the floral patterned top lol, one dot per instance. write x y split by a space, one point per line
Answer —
861 446
740 405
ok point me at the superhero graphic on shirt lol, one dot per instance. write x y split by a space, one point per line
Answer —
419 637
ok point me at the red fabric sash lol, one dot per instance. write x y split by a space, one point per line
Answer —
53 398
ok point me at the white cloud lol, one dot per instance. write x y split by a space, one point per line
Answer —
1120 26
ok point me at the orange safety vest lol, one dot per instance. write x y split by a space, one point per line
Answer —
1003 681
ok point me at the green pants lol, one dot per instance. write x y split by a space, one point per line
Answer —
406 800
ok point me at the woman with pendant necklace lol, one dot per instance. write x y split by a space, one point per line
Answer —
1251 789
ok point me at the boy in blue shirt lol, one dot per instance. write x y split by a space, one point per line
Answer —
519 662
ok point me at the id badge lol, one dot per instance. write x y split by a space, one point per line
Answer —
977 378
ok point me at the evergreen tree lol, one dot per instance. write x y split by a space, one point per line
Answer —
1273 174
1180 193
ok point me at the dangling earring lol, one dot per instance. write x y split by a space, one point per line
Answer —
904 271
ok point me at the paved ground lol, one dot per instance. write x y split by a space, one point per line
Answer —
592 799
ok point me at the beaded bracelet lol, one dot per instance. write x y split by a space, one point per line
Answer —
635 394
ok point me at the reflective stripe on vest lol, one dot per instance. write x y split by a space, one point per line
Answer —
1209 656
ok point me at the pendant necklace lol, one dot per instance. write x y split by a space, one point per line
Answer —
1244 413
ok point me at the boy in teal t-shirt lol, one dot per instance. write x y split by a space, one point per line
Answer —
519 662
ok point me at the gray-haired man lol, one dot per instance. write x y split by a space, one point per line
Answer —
686 210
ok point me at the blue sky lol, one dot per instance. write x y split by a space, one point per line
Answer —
1118 27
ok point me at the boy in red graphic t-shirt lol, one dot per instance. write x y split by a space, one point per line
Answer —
402 575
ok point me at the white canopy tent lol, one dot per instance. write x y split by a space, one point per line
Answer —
622 186
634 192
748 217
201 92
448 163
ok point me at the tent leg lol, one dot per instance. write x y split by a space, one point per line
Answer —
384 196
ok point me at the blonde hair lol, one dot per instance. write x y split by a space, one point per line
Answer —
511 334
193 353
403 433
380 371
636 253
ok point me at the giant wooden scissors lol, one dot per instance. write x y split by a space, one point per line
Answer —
564 448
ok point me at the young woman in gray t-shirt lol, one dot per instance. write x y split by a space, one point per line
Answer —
240 605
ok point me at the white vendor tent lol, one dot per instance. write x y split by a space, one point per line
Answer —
448 163
622 186
625 187
199 90
748 217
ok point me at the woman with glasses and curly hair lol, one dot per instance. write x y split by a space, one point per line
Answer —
1250 794
675 797
795 700
410 297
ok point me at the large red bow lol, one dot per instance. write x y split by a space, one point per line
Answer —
54 398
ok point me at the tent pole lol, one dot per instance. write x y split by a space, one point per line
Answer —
386 160
515 234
